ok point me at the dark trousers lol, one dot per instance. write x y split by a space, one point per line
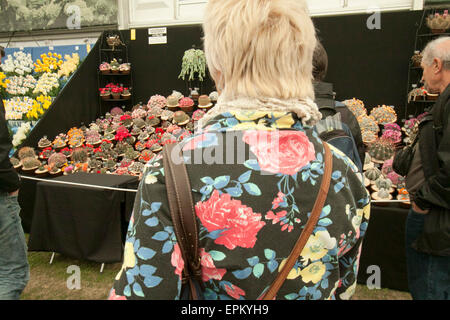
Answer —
428 275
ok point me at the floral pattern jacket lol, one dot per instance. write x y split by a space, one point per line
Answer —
250 213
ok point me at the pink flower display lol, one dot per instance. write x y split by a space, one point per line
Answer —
239 222
209 270
283 151
177 260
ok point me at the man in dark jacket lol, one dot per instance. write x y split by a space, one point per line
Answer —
428 182
14 270
325 99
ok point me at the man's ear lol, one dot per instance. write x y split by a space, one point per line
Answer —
437 65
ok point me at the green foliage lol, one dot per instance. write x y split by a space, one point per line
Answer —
194 61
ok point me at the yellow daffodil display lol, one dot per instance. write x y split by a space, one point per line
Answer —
69 65
49 62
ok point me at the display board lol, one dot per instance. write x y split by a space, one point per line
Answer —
31 15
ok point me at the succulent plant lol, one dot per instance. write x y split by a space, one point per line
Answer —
383 183
368 123
136 167
381 150
384 114
356 107
30 163
80 155
131 154
44 142
92 137
14 161
139 123
116 111
394 177
57 160
383 194
109 164
373 173
26 152
438 21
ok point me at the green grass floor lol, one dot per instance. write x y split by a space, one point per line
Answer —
49 281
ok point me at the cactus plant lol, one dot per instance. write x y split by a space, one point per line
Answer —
30 163
57 160
384 114
26 152
373 173
381 150
368 123
356 107
80 155
139 122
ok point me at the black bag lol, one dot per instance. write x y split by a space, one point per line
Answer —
403 159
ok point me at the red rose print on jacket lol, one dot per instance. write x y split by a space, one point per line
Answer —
234 291
209 270
177 260
282 151
240 223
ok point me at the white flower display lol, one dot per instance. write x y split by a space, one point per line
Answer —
21 134
21 64
16 107
46 83
20 85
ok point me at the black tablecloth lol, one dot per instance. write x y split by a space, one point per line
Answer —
82 222
384 246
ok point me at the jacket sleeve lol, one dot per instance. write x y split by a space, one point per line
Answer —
9 179
436 190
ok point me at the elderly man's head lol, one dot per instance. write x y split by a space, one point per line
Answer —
436 65
260 48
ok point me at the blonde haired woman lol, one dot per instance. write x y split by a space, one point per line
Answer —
251 210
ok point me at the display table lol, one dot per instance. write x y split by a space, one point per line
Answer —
384 246
82 222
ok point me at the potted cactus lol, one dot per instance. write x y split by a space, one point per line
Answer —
41 171
80 155
26 152
381 150
439 23
30 164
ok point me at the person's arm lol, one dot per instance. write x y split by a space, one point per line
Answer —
152 261
9 179
436 190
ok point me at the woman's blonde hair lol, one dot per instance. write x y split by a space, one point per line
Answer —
260 48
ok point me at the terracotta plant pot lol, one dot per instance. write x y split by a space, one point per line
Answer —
115 96
436 31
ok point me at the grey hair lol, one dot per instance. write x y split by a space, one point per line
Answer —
435 50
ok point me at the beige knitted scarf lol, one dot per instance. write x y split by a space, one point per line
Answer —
306 110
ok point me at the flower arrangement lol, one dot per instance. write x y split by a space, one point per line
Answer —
21 134
156 101
121 135
105 67
50 63
48 84
17 107
194 61
69 65
21 64
21 85
3 83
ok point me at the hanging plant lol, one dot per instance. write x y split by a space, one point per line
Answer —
194 60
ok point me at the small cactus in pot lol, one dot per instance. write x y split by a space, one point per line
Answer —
381 150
